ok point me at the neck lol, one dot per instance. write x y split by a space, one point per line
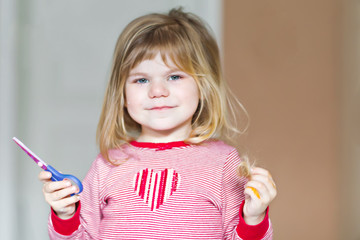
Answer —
159 139
163 136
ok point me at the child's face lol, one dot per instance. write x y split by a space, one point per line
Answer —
162 99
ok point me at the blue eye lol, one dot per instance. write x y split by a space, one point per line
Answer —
174 77
142 80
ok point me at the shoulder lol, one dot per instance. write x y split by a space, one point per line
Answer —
230 160
116 157
218 151
101 168
219 147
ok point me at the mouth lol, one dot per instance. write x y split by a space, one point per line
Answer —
161 108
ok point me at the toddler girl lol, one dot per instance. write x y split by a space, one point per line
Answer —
162 172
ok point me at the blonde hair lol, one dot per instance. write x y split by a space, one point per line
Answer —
186 40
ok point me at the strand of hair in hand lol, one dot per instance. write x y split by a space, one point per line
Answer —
244 170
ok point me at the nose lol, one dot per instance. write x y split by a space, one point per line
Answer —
158 89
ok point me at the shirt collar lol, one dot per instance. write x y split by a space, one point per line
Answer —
159 146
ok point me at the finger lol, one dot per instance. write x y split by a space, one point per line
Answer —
261 189
62 204
252 192
63 193
263 172
50 187
66 206
267 181
45 176
260 171
269 191
255 192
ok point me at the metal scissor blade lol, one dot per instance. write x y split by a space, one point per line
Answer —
38 161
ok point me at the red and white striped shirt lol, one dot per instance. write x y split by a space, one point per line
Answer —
162 191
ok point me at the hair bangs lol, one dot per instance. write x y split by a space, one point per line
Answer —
172 44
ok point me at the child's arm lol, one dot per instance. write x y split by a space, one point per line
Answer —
235 224
65 208
58 195
71 219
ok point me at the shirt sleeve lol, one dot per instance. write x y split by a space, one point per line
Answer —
253 232
86 221
234 226
68 226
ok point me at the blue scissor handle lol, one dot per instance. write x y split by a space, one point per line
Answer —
57 176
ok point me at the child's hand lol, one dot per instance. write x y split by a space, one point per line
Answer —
57 195
259 192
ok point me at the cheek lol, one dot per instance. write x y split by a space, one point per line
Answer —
132 111
129 95
193 94
131 102
192 99
194 105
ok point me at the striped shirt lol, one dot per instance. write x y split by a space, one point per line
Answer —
162 191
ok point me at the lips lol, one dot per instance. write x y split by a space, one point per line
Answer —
161 108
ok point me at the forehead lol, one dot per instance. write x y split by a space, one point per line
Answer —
171 54
157 63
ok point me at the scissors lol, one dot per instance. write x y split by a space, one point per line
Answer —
56 176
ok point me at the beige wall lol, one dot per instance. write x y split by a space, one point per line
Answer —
282 58
350 162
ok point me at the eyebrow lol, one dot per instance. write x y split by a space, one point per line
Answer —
137 74
165 74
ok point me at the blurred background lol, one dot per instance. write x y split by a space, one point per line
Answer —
293 64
